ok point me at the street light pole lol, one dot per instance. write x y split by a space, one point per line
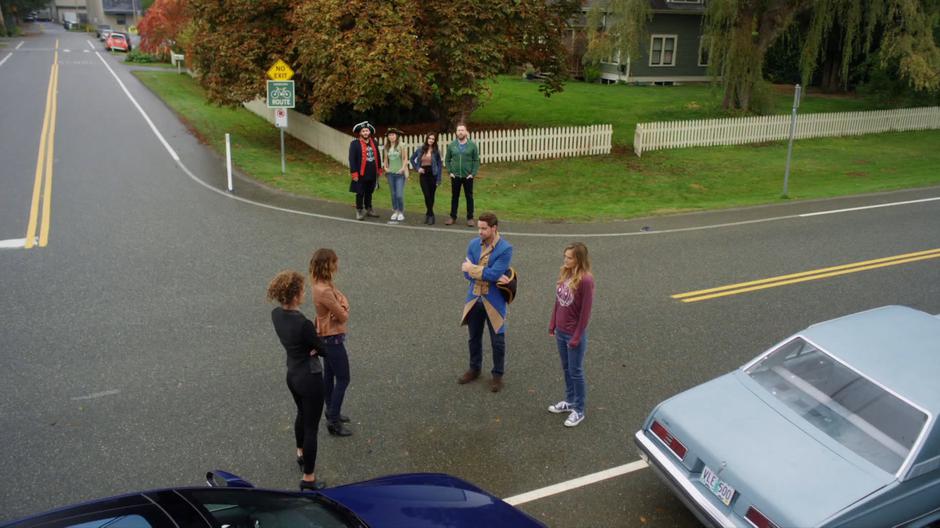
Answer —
786 174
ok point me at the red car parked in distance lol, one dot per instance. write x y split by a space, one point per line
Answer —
117 41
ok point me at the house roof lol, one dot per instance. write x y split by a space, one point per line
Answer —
666 6
896 346
658 6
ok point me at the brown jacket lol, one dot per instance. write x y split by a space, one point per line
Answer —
332 309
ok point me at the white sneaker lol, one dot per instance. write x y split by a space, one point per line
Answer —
394 216
560 407
574 419
401 216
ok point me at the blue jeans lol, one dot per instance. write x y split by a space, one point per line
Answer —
396 184
475 321
572 363
335 379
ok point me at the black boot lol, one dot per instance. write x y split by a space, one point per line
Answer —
338 429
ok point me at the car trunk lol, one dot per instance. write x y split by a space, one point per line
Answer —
778 466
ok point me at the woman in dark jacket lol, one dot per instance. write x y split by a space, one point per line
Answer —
427 161
304 371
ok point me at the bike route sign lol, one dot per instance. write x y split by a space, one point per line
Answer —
280 94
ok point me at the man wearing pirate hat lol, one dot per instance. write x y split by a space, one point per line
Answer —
365 166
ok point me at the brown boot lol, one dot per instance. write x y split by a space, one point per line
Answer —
468 376
496 384
449 221
471 223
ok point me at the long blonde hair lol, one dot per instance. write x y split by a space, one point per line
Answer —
582 265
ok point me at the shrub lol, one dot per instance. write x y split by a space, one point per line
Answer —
592 73
140 57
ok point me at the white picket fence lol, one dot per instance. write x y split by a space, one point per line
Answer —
530 143
741 130
495 145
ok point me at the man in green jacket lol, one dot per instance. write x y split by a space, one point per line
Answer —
463 162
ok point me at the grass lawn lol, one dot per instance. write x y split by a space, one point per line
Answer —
589 188
164 65
517 101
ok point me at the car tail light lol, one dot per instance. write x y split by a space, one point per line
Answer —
671 442
758 519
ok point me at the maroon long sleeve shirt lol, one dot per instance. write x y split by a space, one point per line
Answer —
572 310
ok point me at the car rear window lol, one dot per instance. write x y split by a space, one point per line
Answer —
843 404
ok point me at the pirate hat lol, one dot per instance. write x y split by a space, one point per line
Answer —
364 124
393 130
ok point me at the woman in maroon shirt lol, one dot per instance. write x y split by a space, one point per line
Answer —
574 295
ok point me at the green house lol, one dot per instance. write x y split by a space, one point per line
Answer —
674 52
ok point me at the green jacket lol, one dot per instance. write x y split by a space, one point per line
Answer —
462 164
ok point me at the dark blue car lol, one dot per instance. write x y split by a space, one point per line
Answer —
411 500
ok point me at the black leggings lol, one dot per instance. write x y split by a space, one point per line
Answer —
428 187
307 390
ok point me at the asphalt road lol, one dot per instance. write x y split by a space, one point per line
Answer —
137 349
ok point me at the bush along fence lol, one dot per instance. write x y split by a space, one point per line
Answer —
495 145
741 130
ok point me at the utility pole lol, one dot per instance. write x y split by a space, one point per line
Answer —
786 174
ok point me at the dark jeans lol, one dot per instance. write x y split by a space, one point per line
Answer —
475 321
307 390
455 185
364 196
428 187
572 364
335 379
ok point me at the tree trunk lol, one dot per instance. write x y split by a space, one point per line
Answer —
3 24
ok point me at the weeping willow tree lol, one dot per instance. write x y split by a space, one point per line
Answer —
617 27
901 33
741 31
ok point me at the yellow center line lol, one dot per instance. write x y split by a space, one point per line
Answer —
40 163
794 278
50 158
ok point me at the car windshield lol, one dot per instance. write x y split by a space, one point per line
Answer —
266 509
841 403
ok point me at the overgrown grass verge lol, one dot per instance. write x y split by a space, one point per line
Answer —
596 188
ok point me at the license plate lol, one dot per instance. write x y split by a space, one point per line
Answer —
714 484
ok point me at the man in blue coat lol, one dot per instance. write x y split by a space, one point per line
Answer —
486 265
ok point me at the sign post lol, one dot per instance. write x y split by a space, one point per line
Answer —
280 97
786 174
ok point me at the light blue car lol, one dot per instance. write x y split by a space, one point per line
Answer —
834 427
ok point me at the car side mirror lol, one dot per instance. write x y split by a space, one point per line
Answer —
224 479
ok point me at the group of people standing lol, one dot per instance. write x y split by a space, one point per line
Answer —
487 268
368 161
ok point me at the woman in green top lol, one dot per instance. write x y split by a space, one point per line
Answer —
396 169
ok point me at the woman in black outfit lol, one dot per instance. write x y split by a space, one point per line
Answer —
304 371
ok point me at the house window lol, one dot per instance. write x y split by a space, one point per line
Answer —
663 50
703 52
613 58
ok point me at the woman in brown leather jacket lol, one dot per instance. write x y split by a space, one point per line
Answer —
332 314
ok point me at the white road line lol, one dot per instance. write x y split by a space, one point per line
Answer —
5 58
461 232
153 127
834 211
579 482
90 44
13 243
94 395
20 44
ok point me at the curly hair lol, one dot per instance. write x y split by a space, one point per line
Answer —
285 287
323 265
